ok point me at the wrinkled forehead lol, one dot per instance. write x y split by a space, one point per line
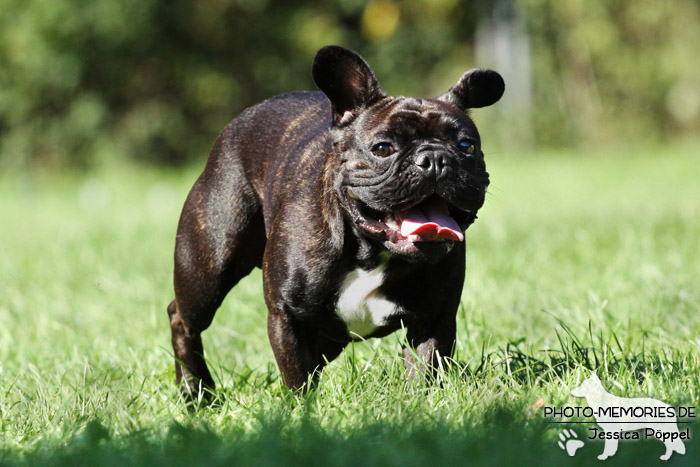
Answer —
419 117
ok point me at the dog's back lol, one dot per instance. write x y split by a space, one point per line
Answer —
297 122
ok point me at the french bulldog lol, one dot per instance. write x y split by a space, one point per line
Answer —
353 203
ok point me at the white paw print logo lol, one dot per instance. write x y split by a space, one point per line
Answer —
569 442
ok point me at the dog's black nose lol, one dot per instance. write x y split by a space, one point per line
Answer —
433 163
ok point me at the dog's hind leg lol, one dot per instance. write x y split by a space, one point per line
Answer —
679 446
673 446
669 450
220 239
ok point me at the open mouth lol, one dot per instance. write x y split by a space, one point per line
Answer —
432 220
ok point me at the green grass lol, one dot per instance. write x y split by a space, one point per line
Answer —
578 261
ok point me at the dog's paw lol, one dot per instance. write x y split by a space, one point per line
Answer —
569 442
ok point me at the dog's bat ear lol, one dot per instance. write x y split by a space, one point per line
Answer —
477 87
347 81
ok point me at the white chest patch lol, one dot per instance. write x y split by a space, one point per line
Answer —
360 304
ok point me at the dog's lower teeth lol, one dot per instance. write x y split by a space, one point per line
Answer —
391 222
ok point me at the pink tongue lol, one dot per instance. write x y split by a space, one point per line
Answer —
431 222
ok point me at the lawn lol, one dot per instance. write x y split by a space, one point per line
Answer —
579 260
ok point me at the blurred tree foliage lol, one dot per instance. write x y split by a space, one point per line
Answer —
614 70
156 80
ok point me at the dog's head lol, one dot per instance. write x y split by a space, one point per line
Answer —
589 387
411 171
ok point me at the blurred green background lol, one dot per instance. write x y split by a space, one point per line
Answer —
82 81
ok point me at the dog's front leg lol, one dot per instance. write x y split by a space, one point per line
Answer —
425 350
301 351
609 449
292 349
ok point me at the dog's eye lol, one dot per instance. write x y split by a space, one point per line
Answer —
383 150
467 147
